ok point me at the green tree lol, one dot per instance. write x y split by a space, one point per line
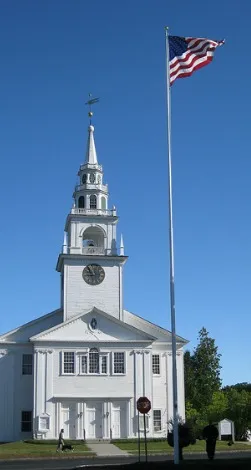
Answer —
239 387
189 371
202 372
239 410
218 408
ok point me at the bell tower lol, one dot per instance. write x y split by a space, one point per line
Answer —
90 264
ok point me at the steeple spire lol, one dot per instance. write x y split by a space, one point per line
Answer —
91 154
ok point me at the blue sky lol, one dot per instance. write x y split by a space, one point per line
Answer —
53 53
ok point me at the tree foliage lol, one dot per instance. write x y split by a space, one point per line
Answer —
205 400
238 410
202 372
239 387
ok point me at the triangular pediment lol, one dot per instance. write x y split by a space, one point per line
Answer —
94 325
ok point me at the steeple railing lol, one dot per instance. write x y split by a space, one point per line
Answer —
98 186
91 166
93 250
106 212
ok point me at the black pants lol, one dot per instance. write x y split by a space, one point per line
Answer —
210 448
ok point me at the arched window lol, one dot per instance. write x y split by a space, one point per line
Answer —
84 177
93 201
81 202
103 203
92 178
93 361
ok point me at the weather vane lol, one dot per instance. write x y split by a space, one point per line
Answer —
90 102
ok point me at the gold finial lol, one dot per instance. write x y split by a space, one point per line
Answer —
90 102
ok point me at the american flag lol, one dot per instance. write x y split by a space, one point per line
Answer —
189 54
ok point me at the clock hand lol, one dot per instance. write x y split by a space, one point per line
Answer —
91 271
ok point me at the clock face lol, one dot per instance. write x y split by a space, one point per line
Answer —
93 274
84 178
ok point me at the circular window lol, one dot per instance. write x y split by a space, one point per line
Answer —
94 324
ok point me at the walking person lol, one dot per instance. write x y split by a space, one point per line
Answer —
210 434
60 440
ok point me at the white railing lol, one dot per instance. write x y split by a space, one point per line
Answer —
77 210
102 187
93 250
92 166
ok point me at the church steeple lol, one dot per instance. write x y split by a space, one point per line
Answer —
90 263
91 193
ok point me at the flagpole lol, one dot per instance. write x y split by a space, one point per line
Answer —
171 257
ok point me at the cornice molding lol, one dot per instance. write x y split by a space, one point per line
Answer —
43 351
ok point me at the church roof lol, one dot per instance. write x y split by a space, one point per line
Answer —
23 332
161 333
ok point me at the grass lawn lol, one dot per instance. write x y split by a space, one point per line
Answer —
163 447
22 449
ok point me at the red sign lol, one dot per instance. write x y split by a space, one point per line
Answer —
143 405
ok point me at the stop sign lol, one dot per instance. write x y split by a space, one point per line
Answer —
143 405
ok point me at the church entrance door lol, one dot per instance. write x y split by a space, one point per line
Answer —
94 427
119 419
68 420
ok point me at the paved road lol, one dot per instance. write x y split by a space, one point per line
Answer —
72 464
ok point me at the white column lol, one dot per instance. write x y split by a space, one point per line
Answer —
84 420
128 412
41 382
169 386
166 415
58 419
35 403
79 420
48 381
138 382
147 375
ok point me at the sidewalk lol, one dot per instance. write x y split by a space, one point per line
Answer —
106 449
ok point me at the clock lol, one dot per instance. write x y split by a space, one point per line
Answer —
84 177
93 274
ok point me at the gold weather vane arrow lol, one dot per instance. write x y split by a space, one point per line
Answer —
90 102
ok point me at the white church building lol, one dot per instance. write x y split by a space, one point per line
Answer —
83 366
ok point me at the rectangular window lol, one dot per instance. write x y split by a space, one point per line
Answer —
69 363
27 364
103 364
84 364
141 422
157 420
155 364
119 363
26 421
